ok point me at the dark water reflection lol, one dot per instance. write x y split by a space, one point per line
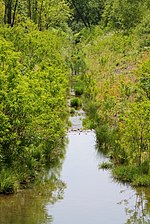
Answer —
28 206
89 197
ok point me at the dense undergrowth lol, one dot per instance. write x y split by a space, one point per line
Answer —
34 81
117 100
105 47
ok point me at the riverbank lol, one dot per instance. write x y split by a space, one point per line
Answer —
116 99
77 192
34 80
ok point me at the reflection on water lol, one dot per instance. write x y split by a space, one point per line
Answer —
28 206
139 212
91 196
76 120
86 195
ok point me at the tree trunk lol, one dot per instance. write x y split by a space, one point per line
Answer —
40 17
29 9
80 14
5 13
8 11
35 12
14 14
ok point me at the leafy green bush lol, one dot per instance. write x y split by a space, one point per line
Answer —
143 180
79 86
78 90
8 182
76 103
132 174
33 110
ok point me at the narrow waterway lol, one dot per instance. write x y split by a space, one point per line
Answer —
91 197
82 194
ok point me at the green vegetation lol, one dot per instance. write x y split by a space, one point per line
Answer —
105 165
78 86
72 111
44 44
118 104
34 79
133 174
75 103
78 90
116 87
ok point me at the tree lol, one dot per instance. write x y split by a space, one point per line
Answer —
86 13
123 14
33 103
45 13
135 129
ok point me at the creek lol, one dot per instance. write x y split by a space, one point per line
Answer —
80 192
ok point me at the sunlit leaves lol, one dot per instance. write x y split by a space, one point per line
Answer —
135 129
33 83
44 13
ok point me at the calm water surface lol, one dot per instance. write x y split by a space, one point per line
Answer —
89 195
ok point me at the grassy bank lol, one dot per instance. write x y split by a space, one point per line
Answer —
117 100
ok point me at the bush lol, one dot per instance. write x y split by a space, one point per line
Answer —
8 183
78 90
33 110
132 174
143 180
125 173
76 103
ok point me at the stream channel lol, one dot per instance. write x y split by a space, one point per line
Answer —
79 192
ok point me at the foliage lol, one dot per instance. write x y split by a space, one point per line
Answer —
9 182
116 97
76 103
142 31
44 13
145 79
86 13
79 87
78 90
72 111
133 174
33 110
124 14
105 165
39 56
135 131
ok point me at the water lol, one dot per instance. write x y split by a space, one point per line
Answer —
83 194
91 196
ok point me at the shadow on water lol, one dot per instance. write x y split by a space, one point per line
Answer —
28 206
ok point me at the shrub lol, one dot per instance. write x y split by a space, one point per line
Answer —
78 90
76 103
8 183
132 174
142 181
